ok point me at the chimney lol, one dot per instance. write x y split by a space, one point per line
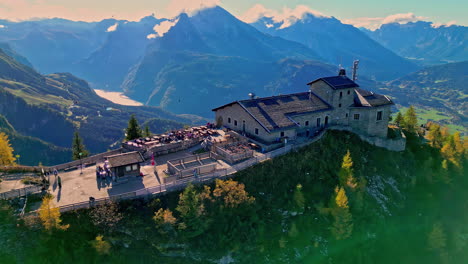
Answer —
342 71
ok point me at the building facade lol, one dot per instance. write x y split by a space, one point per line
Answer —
335 100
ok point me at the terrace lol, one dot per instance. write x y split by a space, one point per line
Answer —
235 152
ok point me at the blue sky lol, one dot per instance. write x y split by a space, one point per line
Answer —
368 13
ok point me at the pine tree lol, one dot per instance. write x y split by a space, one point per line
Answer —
133 130
299 198
6 151
147 132
50 214
399 119
411 120
192 211
78 147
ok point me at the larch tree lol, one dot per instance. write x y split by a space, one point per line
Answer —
133 130
434 136
342 227
6 151
102 247
165 221
399 119
345 174
411 120
49 214
78 147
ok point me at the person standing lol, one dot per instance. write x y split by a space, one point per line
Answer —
55 172
59 182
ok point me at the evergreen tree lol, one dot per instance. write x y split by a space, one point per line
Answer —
147 132
399 119
6 151
133 130
411 120
50 214
299 198
78 147
192 211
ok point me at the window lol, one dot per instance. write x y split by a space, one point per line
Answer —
128 168
282 134
318 121
346 115
356 116
341 94
229 120
379 115
306 123
349 91
235 122
135 167
339 105
256 131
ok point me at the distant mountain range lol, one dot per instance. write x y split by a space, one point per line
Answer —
424 43
213 57
338 43
45 110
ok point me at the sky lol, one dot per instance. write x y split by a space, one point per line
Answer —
365 13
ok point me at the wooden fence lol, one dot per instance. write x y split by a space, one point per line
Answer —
20 192
180 184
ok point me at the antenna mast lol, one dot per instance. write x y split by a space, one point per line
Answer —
355 68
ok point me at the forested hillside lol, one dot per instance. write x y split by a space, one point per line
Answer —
321 204
51 107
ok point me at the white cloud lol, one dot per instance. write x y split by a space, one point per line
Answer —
162 28
175 7
448 24
112 28
375 22
151 36
2 26
286 16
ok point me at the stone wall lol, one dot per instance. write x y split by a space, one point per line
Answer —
87 161
397 144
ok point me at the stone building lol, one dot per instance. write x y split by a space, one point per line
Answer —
335 100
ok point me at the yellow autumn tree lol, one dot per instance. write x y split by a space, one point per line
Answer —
164 217
232 192
454 149
346 175
50 214
102 247
6 151
342 227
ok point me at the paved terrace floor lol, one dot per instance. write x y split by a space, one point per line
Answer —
78 187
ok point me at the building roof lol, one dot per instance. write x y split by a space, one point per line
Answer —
337 82
274 112
125 159
369 99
